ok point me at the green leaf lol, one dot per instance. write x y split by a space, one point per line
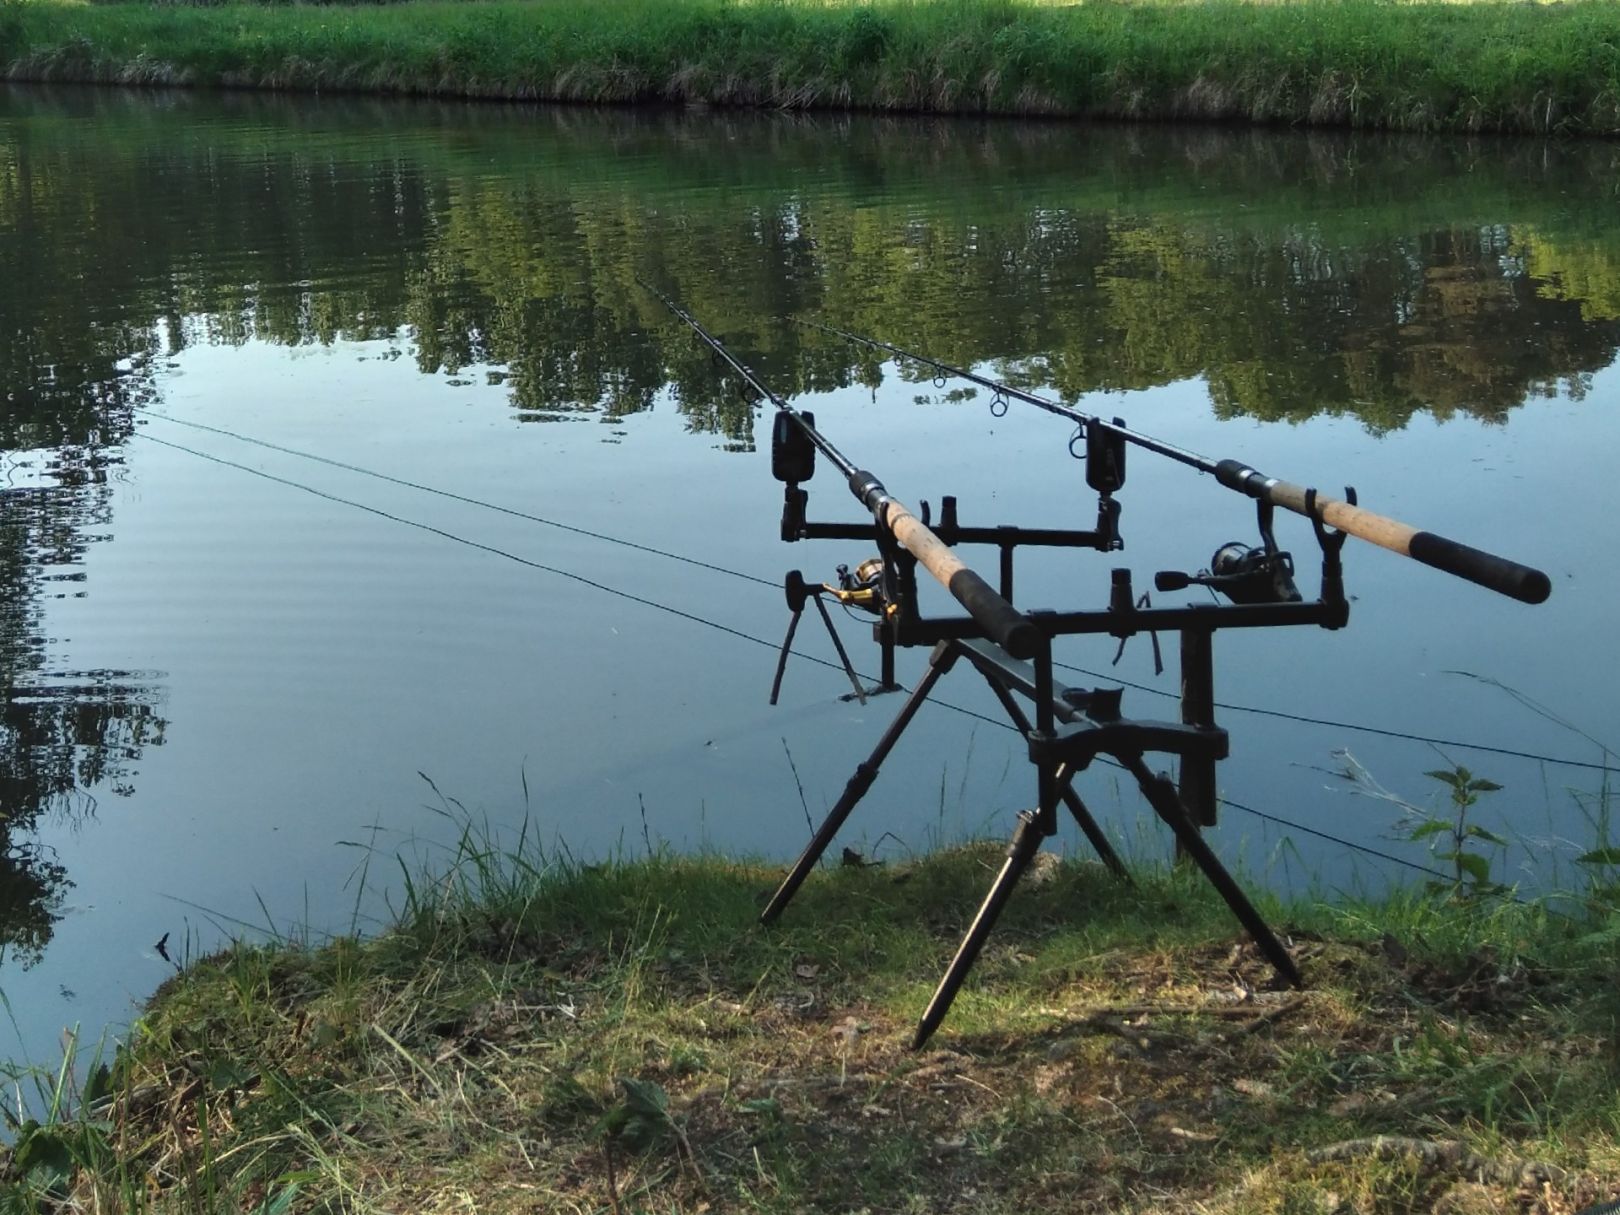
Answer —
43 1154
1600 856
1445 777
1484 786
610 1123
226 1074
1474 865
644 1098
642 1119
281 1201
1479 833
1432 827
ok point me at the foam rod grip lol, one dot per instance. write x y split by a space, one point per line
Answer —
1495 573
1002 623
1484 569
1498 573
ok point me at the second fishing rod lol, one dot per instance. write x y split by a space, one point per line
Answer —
1002 623
1510 578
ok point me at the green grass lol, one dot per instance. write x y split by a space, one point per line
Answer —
535 1035
1477 67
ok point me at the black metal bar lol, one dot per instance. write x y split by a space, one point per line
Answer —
1137 620
940 661
843 656
781 659
1198 710
1071 799
1094 833
1026 842
1027 537
1161 795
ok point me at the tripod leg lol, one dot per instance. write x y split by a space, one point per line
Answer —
865 773
781 660
1026 842
1094 833
1162 796
843 656
1071 799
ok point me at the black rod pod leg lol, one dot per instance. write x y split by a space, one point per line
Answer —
1161 795
940 661
1094 833
787 648
1026 842
843 655
1071 799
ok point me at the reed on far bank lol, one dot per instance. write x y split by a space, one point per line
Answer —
1361 63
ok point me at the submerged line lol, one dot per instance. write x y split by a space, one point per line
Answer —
488 548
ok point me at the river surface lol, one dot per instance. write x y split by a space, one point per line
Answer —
243 647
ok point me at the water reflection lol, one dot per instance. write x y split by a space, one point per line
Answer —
1297 275
1300 275
65 736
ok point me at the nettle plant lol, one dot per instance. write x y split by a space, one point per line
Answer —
1453 840
1462 846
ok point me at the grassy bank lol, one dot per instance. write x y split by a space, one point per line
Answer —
625 1038
1465 67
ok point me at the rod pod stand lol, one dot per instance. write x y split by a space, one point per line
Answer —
1072 727
1070 730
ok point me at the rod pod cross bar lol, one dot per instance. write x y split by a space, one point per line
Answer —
1510 578
1001 622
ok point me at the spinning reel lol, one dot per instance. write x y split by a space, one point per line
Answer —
1246 573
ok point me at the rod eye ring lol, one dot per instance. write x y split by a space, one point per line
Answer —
998 406
940 381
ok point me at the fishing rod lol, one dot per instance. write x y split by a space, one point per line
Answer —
1521 582
1002 623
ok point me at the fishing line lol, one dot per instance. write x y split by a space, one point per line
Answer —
525 561
754 578
1383 856
455 497
1346 725
723 628
1260 814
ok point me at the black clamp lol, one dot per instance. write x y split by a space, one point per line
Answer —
1331 540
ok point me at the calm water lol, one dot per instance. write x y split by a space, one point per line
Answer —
226 662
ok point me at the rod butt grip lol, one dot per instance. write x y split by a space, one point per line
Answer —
1003 624
1509 578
